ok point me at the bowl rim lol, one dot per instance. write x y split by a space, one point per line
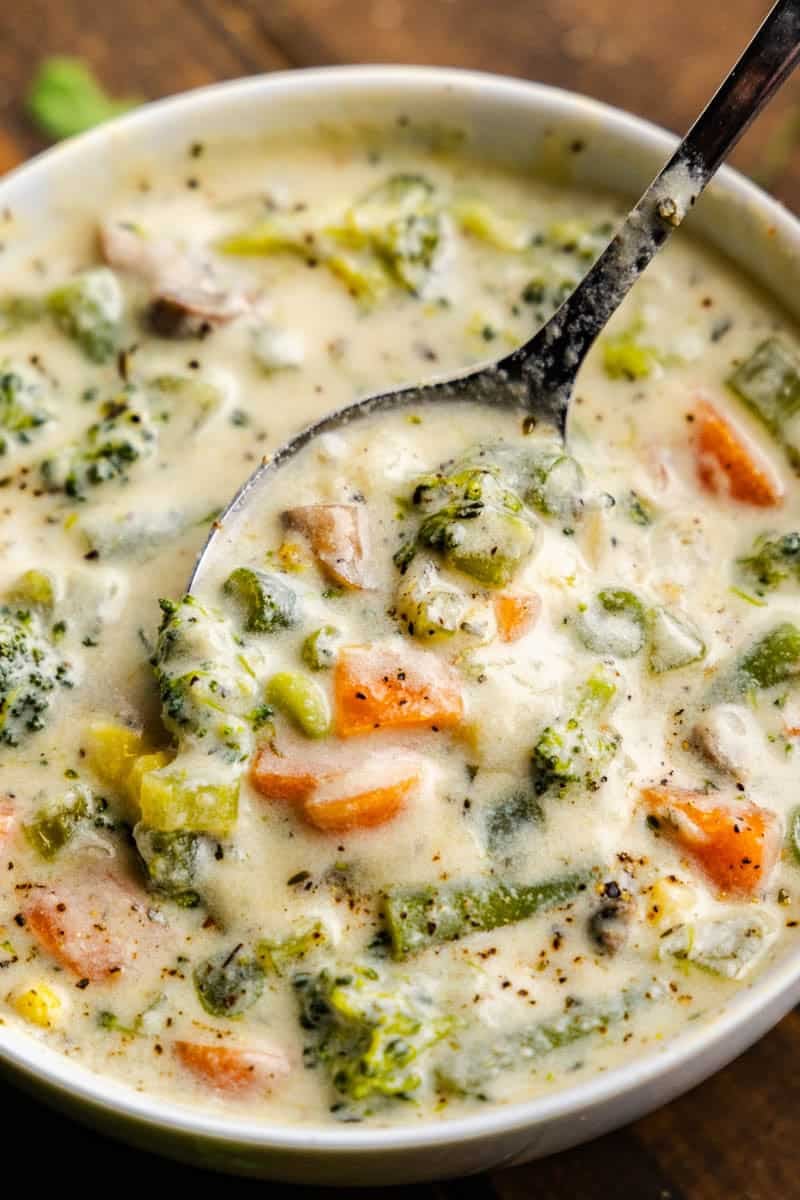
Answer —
769 992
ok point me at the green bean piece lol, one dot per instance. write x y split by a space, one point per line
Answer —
417 918
793 833
468 1070
614 623
774 659
267 603
674 641
302 700
321 647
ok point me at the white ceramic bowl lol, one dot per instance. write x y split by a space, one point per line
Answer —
512 121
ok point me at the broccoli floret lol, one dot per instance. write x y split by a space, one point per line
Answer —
125 434
31 672
55 825
368 1032
772 561
21 409
574 751
400 222
478 524
171 860
209 690
89 309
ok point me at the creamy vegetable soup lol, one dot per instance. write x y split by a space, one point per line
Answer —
468 769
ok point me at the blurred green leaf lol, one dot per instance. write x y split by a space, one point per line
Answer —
65 98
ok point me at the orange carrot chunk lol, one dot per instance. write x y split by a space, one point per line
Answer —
95 928
292 775
736 844
363 797
728 464
233 1069
377 687
516 613
338 536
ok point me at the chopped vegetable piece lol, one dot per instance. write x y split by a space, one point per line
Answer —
478 218
194 798
125 435
321 647
614 623
793 835
728 464
626 356
369 1032
507 818
399 222
339 538
516 614
639 510
772 561
417 918
54 826
171 862
773 659
736 844
266 602
31 672
379 687
278 956
65 99
229 983
22 411
728 948
302 700
95 927
277 349
574 751
89 309
469 1070
234 1069
363 797
769 384
674 640
112 750
38 1005
556 483
293 772
431 607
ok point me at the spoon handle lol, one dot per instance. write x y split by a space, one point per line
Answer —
548 363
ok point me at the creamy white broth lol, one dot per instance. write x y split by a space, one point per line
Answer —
272 875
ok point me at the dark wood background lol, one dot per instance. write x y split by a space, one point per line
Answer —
738 1136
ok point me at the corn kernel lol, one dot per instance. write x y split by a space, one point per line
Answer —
38 1005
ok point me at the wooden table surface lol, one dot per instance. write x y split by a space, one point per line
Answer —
735 1137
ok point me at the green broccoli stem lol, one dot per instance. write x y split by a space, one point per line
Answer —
417 918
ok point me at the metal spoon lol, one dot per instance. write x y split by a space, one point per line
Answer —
539 377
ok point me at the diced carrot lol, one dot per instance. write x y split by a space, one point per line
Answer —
95 927
339 538
292 772
363 797
736 844
516 613
233 1069
377 687
728 464
8 821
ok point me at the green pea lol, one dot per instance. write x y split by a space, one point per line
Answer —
302 701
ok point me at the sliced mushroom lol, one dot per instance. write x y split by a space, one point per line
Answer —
725 736
339 538
191 311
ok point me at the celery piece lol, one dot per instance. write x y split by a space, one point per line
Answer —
482 221
276 234
768 382
267 603
89 309
369 1031
428 606
729 948
53 827
302 700
65 99
417 918
229 983
176 798
674 640
614 623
